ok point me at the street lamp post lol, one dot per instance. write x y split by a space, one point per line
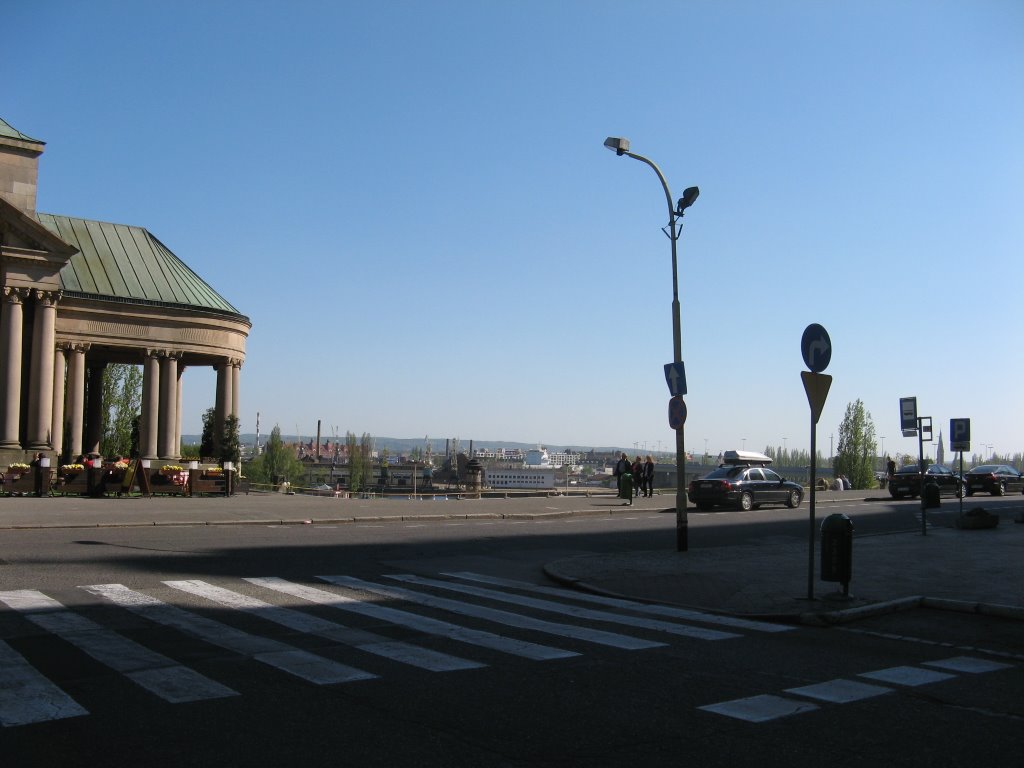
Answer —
675 226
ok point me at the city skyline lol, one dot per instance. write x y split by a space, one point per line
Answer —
412 204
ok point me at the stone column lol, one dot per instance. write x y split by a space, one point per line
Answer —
168 405
149 424
75 421
94 408
11 329
40 396
222 408
177 410
236 384
59 372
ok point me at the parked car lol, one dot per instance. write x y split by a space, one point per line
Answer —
744 481
996 479
907 481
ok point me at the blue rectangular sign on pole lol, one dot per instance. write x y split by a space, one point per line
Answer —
959 434
675 376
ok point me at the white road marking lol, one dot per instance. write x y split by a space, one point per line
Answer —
420 623
28 697
396 650
501 617
282 656
153 671
909 676
760 709
570 610
840 691
614 602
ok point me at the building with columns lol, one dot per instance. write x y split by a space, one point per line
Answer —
79 295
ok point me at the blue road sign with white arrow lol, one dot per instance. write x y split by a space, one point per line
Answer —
816 347
675 375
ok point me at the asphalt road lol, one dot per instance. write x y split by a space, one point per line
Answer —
189 663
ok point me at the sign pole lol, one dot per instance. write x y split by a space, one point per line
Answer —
814 477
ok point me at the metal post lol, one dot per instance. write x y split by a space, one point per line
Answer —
921 467
814 483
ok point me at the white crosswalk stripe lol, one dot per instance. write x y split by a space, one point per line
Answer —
420 623
571 610
308 666
27 696
631 605
153 671
313 625
500 617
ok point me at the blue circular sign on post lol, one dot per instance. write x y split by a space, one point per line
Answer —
816 347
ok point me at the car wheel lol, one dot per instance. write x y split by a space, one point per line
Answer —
793 500
746 502
961 491
999 490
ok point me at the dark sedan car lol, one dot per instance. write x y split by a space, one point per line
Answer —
744 487
907 481
996 479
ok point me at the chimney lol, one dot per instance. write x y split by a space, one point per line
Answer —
19 168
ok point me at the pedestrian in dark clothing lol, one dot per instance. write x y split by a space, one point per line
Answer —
621 471
648 477
638 475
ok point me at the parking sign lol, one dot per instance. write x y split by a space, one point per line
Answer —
959 434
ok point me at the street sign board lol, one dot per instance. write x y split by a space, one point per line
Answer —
959 434
816 347
908 416
676 412
675 376
816 386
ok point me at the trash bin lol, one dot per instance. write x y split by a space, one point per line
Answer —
931 496
837 550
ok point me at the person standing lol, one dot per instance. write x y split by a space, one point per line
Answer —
622 469
638 475
648 476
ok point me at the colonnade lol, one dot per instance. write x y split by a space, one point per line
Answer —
63 402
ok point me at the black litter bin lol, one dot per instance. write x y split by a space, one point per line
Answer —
931 496
837 550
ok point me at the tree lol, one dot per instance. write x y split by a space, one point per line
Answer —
206 444
855 456
122 403
277 462
230 442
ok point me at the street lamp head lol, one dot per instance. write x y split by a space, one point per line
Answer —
688 198
619 145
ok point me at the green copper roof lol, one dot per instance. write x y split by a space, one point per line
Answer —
8 130
128 263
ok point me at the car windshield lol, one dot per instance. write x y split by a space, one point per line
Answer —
910 469
985 469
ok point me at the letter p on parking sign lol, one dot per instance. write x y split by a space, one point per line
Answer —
959 434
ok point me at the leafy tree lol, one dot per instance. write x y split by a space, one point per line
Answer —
206 444
855 456
277 462
230 442
122 403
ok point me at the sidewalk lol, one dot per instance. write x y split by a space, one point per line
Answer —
974 570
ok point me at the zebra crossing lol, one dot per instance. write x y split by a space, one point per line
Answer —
415 604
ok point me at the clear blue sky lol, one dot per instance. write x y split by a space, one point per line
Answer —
412 203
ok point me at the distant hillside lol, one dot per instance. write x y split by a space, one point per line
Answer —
404 445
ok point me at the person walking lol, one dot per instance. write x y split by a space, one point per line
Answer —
648 476
638 475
